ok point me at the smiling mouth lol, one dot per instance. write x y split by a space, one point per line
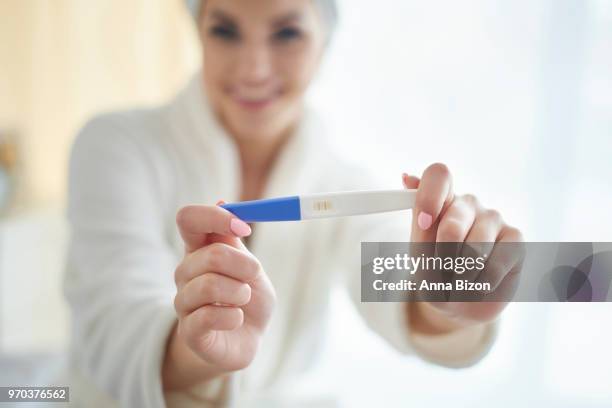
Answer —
255 103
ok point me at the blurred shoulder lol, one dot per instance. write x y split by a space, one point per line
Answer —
120 129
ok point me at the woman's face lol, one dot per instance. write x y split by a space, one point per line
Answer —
259 57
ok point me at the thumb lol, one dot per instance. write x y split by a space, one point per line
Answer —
200 225
234 241
434 194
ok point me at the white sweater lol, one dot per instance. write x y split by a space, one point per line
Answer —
129 174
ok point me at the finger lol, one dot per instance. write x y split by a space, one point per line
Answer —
202 323
481 239
410 182
420 249
457 220
453 228
220 258
211 288
434 193
236 243
484 233
506 259
195 222
487 227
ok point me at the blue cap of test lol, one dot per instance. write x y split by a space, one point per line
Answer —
273 209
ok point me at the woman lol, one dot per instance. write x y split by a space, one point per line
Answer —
245 307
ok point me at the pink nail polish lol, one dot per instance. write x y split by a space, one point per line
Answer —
424 220
240 228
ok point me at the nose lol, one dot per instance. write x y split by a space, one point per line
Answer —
254 64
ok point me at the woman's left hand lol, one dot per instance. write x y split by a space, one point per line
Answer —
440 216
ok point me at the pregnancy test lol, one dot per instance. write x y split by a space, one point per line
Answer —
322 205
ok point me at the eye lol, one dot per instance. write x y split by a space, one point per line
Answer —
224 32
287 34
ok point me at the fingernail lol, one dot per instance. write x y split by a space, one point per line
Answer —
424 220
220 202
239 227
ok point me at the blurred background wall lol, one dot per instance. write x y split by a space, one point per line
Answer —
63 60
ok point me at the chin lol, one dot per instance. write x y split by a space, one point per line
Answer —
266 123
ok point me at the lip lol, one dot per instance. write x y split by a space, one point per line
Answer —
255 104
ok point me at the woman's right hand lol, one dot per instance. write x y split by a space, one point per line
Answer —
224 299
